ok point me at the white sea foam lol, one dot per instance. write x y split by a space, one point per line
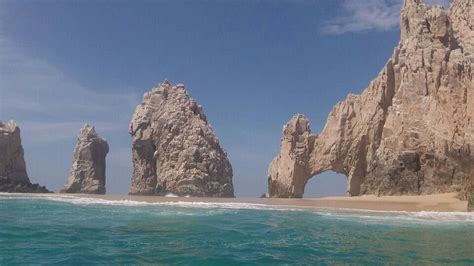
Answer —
333 213
184 204
401 216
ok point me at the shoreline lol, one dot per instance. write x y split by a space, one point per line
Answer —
435 203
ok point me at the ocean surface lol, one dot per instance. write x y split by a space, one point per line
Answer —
69 230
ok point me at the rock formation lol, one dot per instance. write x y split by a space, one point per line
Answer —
13 175
88 169
411 131
174 149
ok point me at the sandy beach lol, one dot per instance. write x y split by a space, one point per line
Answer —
439 203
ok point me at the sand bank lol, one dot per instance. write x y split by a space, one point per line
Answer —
439 203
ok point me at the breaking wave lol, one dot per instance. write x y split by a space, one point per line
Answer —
184 204
331 213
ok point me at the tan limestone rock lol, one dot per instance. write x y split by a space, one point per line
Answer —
88 169
13 175
174 149
411 131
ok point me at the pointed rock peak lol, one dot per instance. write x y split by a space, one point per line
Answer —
87 127
10 126
166 83
298 116
87 131
167 86
297 125
424 22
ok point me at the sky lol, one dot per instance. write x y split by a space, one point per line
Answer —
252 65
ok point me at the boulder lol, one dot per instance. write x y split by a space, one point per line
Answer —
14 186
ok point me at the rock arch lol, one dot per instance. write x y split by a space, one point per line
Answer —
297 162
411 131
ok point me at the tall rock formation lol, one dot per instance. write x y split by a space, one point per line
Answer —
88 169
13 175
174 149
411 131
12 161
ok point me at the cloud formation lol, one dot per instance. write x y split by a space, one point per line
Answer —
45 100
368 15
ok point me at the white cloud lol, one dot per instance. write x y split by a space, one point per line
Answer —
368 15
35 93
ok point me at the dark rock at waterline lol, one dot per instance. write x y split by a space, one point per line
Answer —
13 186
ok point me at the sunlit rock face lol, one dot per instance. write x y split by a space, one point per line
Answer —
411 131
174 149
88 169
13 175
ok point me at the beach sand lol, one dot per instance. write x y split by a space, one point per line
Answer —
439 203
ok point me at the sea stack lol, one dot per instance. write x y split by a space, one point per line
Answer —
174 149
88 169
13 175
411 131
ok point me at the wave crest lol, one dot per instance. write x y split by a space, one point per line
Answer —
333 213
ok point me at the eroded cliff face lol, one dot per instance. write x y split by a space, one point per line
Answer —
174 149
12 161
88 169
13 175
411 131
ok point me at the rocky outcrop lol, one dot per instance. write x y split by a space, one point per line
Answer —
14 186
88 169
411 131
290 171
174 149
13 175
12 161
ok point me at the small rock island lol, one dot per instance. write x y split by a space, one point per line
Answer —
174 149
88 169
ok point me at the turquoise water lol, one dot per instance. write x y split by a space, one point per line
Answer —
67 230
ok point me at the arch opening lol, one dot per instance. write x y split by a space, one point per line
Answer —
325 184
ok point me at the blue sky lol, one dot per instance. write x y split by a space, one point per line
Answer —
251 64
